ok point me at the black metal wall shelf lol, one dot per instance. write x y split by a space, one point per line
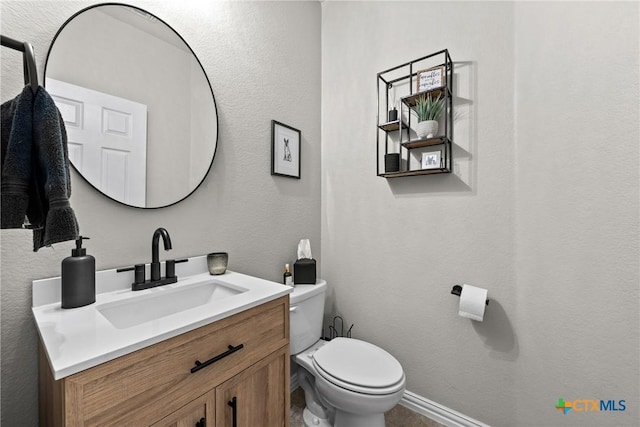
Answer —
418 143
403 78
410 100
392 126
415 173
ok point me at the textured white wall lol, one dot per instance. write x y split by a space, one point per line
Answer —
577 183
392 261
263 60
542 208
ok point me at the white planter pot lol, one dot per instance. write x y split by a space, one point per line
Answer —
427 129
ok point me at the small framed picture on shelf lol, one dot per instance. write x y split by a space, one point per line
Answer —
285 150
430 78
432 160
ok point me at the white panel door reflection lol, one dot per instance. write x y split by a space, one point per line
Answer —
107 139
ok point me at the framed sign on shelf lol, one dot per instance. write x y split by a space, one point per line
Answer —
430 78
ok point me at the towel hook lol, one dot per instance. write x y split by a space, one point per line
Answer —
28 60
30 69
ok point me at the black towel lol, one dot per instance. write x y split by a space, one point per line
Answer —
35 167
17 141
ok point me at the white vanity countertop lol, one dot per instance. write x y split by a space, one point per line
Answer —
81 338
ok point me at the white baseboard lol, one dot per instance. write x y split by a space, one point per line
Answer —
437 412
425 407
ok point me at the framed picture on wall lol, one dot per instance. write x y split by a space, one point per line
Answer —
285 150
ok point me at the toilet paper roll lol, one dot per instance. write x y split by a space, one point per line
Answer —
472 302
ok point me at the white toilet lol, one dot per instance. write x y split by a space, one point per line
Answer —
347 382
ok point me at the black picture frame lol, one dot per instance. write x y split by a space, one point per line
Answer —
286 144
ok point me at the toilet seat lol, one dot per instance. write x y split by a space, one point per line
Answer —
359 366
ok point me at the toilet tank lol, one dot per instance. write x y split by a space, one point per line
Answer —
306 312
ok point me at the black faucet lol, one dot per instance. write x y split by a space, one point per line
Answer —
155 258
156 278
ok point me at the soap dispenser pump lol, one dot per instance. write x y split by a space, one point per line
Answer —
78 277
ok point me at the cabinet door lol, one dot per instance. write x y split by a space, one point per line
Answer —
198 413
258 396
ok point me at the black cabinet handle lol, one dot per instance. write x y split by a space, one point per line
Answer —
214 359
234 411
202 423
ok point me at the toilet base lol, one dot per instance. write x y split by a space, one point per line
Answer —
346 419
311 420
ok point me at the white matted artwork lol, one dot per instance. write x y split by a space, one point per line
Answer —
285 150
431 160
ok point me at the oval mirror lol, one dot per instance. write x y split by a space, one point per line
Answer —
140 115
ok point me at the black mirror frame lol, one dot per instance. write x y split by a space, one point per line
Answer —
201 67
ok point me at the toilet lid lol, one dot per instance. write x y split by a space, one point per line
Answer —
359 363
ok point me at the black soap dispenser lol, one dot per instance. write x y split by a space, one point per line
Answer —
78 277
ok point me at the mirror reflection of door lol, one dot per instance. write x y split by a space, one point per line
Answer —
107 139
128 53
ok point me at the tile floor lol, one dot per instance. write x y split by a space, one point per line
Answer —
397 417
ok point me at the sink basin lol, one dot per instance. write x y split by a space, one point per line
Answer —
163 302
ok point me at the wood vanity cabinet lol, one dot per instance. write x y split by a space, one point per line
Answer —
155 386
193 414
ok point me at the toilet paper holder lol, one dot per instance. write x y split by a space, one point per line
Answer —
457 290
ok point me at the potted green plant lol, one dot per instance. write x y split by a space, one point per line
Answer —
428 109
